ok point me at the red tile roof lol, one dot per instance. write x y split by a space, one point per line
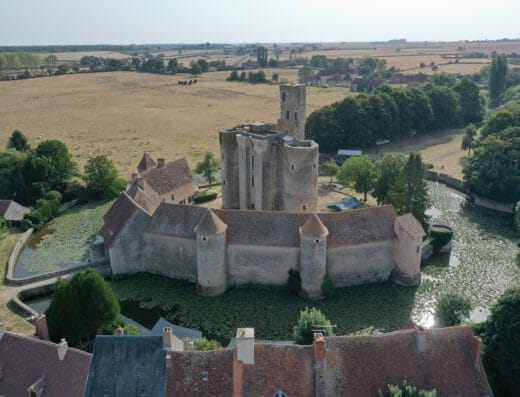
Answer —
25 360
313 227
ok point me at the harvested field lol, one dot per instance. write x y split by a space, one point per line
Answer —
123 114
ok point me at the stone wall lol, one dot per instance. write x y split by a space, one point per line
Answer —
448 180
357 264
494 205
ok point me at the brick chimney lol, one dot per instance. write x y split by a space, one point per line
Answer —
62 349
420 339
41 327
246 345
161 162
319 346
135 175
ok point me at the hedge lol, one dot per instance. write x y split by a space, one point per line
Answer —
204 197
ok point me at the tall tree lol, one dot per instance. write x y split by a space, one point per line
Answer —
207 167
261 55
472 108
445 104
310 321
330 169
322 126
102 179
359 173
388 170
81 307
12 184
422 110
497 80
18 141
173 65
409 193
470 133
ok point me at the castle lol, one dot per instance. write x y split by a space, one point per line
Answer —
272 171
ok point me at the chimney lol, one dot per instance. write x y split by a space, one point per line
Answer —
246 345
160 162
2 330
62 349
186 344
135 175
167 337
319 346
420 339
41 327
119 330
140 182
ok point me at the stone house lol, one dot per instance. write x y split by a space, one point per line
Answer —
161 182
218 249
12 212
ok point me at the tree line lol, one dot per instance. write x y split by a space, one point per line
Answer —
392 113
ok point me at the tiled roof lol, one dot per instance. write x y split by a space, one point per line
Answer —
278 228
178 331
127 366
146 163
12 211
147 198
169 177
440 358
210 224
411 225
118 216
313 227
25 360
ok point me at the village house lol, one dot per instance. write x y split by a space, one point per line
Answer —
12 212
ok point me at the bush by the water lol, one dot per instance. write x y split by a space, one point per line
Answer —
294 281
45 209
451 309
440 237
406 390
311 321
327 288
202 197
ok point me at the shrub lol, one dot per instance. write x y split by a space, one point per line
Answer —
53 195
406 390
451 309
25 224
45 210
202 197
294 281
311 320
440 237
206 344
75 190
327 288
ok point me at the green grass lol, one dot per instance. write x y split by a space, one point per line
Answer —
69 243
272 312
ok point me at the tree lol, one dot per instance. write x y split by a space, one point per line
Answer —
451 309
18 141
422 110
11 174
243 76
102 179
305 71
81 307
502 344
497 80
203 65
329 168
207 167
261 56
359 173
233 76
445 105
388 170
206 344
195 69
444 78
49 167
173 65
470 132
275 77
406 390
409 193
471 103
322 126
311 321
517 216
352 120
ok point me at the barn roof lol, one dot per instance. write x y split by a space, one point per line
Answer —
169 177
12 211
146 163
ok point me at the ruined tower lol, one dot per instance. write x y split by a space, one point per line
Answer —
293 113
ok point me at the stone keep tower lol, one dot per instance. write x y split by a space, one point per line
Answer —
313 256
293 113
211 255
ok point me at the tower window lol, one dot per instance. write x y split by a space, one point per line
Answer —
287 115
295 116
317 241
283 96
173 196
253 181
292 166
304 207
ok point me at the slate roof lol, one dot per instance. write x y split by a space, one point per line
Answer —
444 361
313 227
146 163
169 177
277 228
178 331
411 225
210 224
26 360
147 199
118 216
127 365
12 211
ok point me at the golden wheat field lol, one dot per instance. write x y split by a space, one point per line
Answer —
123 114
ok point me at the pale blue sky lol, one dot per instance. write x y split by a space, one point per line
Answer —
27 22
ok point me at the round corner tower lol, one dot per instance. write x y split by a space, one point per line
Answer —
293 110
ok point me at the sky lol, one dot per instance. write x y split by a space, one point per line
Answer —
41 22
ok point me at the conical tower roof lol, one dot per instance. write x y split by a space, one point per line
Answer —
146 163
210 224
313 227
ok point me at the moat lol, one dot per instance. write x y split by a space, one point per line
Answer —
484 262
